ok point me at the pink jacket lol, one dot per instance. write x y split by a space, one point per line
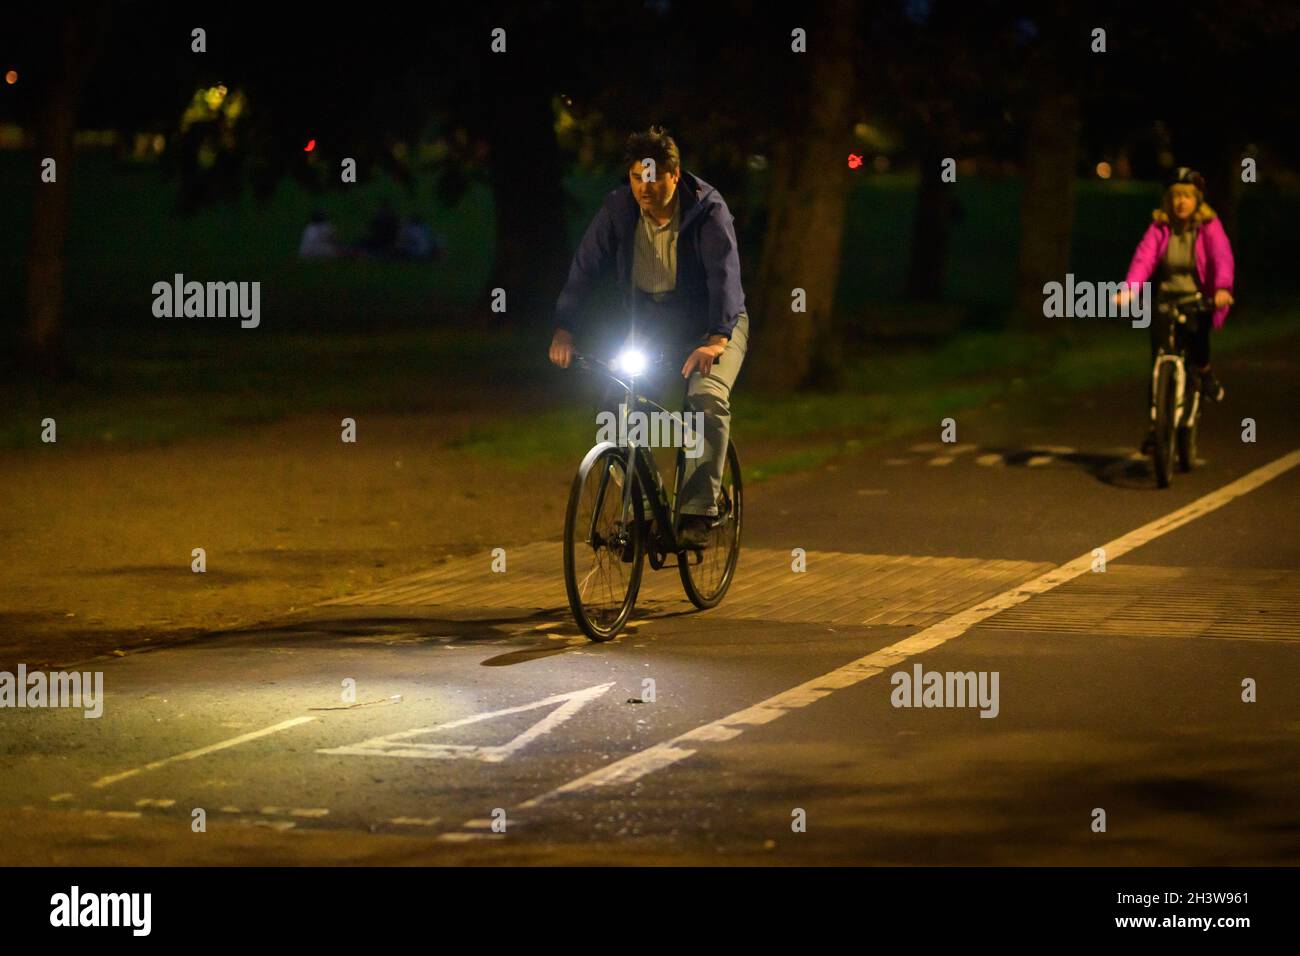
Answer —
1214 265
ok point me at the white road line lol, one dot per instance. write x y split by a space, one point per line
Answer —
990 460
203 751
642 763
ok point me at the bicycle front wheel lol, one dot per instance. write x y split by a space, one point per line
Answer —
603 546
1165 424
707 575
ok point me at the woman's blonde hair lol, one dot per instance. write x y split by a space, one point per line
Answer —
1165 213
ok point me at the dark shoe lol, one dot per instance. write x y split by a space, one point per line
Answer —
695 531
1210 386
1149 443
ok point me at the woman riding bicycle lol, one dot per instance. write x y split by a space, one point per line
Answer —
1185 250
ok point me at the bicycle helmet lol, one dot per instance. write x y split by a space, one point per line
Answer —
1185 175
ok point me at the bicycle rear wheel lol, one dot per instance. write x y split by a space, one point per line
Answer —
603 547
706 581
1165 424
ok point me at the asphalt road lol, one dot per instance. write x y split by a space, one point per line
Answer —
771 736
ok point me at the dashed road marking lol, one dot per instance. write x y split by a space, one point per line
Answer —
310 812
458 837
950 453
942 454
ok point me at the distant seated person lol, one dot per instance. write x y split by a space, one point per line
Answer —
382 240
319 239
417 241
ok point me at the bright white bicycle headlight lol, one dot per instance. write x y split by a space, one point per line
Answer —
630 361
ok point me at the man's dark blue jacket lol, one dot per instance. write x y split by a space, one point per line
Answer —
708 298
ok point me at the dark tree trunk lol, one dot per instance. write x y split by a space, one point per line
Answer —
1223 181
935 207
1047 201
532 248
805 223
77 37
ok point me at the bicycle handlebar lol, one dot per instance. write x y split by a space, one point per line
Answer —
1191 302
658 361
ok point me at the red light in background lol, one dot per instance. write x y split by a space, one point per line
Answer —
311 144
11 77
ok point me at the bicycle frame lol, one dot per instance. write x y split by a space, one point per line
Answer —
639 461
1174 352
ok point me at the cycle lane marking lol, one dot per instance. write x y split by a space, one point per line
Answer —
399 745
642 763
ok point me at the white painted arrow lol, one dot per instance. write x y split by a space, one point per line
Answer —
399 745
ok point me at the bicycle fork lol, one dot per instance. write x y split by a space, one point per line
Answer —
632 465
1180 385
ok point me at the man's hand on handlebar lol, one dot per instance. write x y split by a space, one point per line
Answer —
704 356
561 352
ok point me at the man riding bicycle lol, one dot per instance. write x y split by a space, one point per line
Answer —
670 236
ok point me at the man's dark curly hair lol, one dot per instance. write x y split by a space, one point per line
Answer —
656 144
